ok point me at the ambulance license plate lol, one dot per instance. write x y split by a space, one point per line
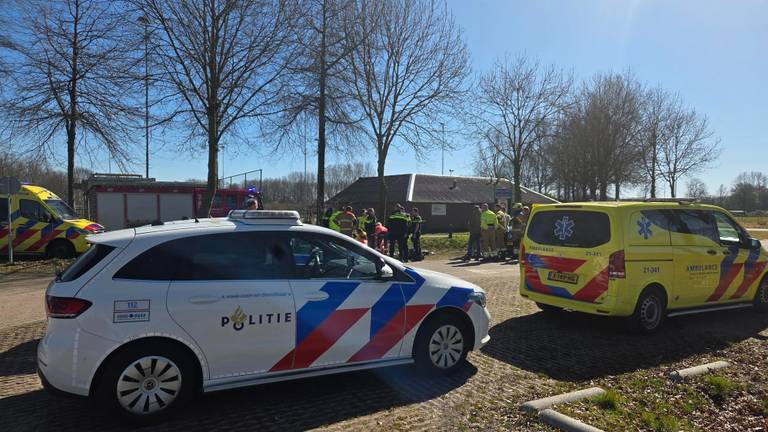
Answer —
571 278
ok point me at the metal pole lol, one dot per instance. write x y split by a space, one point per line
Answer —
146 90
442 165
10 227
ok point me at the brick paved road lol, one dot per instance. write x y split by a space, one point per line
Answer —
530 355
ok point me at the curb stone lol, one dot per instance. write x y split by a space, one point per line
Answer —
681 374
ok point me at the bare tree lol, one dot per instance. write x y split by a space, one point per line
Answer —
72 65
318 96
408 73
697 189
657 107
517 99
691 147
599 137
222 63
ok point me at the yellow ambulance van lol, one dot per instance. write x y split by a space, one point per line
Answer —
41 223
641 260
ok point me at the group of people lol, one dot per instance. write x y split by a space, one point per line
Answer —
386 237
490 232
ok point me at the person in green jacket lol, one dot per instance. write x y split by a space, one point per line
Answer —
332 224
488 224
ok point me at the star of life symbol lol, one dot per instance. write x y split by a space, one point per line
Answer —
645 227
564 228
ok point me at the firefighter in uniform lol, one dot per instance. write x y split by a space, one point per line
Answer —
516 229
347 221
501 228
415 230
488 224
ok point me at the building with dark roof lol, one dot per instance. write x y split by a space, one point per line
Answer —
444 202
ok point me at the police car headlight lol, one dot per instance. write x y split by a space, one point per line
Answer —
478 298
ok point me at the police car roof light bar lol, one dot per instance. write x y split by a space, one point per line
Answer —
289 216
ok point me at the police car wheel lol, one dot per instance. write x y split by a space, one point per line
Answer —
761 296
441 345
650 312
147 385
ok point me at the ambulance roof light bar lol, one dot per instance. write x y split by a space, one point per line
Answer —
681 201
287 217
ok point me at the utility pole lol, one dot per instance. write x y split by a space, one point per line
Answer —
442 147
143 19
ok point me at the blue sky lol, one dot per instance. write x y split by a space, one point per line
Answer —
714 53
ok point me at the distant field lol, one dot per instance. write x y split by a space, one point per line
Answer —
753 221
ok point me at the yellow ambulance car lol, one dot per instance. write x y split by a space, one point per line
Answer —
41 223
641 260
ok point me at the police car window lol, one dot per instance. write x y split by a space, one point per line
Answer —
570 228
226 256
327 258
86 261
727 232
696 222
3 210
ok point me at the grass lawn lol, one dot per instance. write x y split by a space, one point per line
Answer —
440 243
753 221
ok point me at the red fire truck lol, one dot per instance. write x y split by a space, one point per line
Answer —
127 200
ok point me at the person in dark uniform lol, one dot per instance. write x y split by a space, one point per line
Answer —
397 224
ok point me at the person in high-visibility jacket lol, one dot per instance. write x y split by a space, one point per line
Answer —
488 224
332 223
347 221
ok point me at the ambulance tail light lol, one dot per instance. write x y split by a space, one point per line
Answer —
521 253
65 307
617 266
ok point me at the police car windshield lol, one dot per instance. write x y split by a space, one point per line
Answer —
61 208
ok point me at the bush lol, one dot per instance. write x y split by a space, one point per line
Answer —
607 400
660 423
719 387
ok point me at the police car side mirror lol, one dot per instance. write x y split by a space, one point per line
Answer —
754 244
385 272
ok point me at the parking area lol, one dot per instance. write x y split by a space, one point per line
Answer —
530 355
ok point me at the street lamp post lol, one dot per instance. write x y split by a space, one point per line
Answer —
143 19
442 147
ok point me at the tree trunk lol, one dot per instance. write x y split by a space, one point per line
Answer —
73 113
653 170
213 174
672 187
516 164
71 131
382 207
322 77
618 191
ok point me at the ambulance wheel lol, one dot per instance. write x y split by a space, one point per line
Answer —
441 344
650 311
761 296
147 383
60 249
549 309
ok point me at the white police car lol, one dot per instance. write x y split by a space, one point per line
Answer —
150 316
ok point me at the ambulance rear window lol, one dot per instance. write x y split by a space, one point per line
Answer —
570 228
